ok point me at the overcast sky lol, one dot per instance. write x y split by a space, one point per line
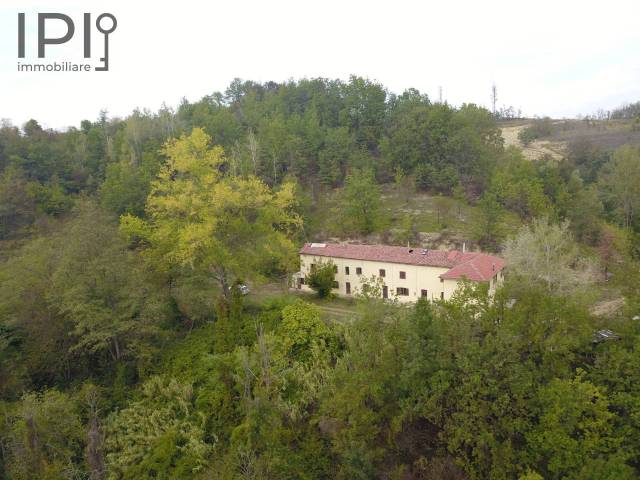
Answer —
558 58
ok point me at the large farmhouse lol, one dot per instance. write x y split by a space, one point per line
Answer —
407 273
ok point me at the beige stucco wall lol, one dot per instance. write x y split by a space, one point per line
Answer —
418 278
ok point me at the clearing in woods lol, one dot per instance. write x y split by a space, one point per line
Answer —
536 149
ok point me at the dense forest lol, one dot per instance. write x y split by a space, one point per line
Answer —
127 350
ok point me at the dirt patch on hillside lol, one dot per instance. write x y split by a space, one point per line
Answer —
536 149
608 308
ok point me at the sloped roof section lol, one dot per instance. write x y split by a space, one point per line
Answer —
478 267
473 266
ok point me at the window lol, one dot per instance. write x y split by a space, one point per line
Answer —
442 280
404 292
335 269
336 285
403 275
301 280
348 288
424 293
382 272
346 270
441 295
358 271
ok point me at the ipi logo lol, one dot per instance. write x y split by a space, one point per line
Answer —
106 23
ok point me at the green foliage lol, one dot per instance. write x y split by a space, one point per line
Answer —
620 182
321 278
202 220
17 206
79 295
44 438
170 436
516 186
489 230
573 427
302 330
359 205
541 127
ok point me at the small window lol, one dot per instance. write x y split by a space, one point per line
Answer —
442 280
346 270
424 293
348 288
336 285
403 275
335 269
404 292
441 295
301 280
382 272
358 271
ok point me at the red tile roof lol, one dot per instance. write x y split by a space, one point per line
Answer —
473 266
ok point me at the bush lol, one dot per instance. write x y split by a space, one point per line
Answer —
541 127
321 278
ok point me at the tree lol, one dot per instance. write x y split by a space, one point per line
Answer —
545 252
332 158
573 427
517 186
203 220
488 229
302 330
442 206
407 232
621 181
17 205
101 288
169 434
585 210
360 204
45 438
321 278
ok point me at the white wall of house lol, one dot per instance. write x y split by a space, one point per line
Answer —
417 277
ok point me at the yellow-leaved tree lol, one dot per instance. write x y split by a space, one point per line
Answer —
201 218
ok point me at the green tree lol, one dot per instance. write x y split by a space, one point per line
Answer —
101 288
321 278
204 220
169 432
359 207
45 438
488 230
621 180
573 427
17 205
302 330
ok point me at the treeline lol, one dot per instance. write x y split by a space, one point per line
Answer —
316 132
628 111
313 130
